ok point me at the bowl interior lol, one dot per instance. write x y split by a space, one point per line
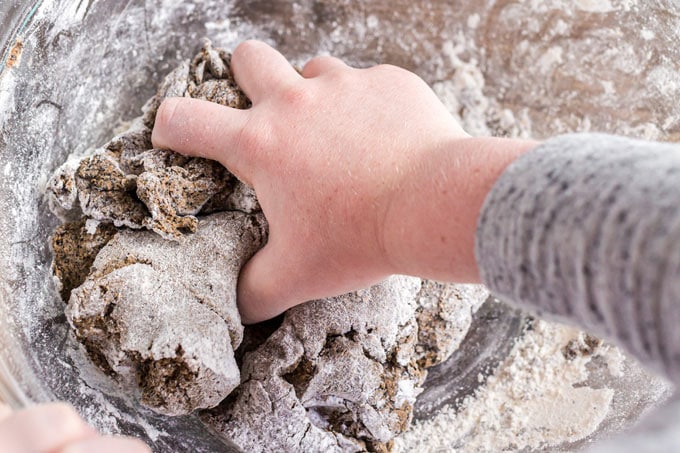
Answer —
76 70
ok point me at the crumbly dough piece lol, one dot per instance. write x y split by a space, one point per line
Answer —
444 316
339 372
75 246
162 316
130 184
342 374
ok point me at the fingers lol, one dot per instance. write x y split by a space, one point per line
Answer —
44 428
57 427
203 129
259 70
258 287
107 445
268 283
320 65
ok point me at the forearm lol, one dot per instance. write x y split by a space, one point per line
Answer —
587 228
431 223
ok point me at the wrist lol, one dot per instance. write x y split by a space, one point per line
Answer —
431 220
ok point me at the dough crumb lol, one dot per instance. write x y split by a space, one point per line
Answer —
130 184
75 247
162 316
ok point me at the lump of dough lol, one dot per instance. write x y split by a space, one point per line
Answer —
161 316
75 246
444 315
130 184
338 375
342 374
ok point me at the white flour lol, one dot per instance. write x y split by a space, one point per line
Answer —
533 401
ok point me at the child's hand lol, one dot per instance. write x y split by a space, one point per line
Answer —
361 173
324 151
56 428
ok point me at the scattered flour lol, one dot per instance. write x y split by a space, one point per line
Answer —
595 6
536 399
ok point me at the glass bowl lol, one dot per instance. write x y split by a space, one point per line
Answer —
74 70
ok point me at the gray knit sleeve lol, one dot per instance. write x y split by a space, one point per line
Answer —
586 228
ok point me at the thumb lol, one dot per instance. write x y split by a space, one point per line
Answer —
269 284
200 128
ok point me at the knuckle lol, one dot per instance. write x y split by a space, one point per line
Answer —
324 64
343 79
296 95
322 60
335 60
390 70
313 65
396 75
383 67
316 60
309 68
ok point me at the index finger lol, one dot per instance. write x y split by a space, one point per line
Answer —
260 70
202 129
